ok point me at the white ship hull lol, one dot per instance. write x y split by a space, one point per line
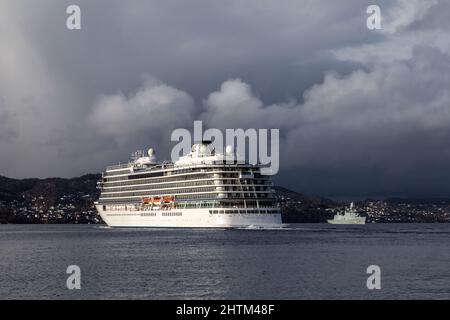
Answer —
186 218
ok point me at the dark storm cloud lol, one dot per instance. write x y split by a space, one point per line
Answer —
361 112
7 128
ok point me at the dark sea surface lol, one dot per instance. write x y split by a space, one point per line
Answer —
302 261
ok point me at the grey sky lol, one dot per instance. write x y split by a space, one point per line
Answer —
360 112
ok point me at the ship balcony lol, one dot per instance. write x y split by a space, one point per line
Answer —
246 175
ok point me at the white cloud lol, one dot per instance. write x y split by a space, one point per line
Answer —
153 110
236 105
405 13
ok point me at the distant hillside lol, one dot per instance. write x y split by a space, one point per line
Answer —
11 189
296 207
416 201
51 188
285 193
51 200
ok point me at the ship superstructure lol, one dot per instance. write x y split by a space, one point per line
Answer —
201 189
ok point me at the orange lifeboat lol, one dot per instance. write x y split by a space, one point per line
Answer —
168 199
146 200
151 200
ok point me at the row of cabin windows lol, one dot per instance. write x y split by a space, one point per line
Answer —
255 211
203 204
160 186
169 173
172 214
156 180
179 171
261 194
138 201
190 177
161 174
205 196
149 193
244 187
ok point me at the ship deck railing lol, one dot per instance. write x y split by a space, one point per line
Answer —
166 165
118 166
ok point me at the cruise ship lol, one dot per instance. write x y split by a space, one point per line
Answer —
202 189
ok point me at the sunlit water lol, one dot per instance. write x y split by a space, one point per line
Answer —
303 261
